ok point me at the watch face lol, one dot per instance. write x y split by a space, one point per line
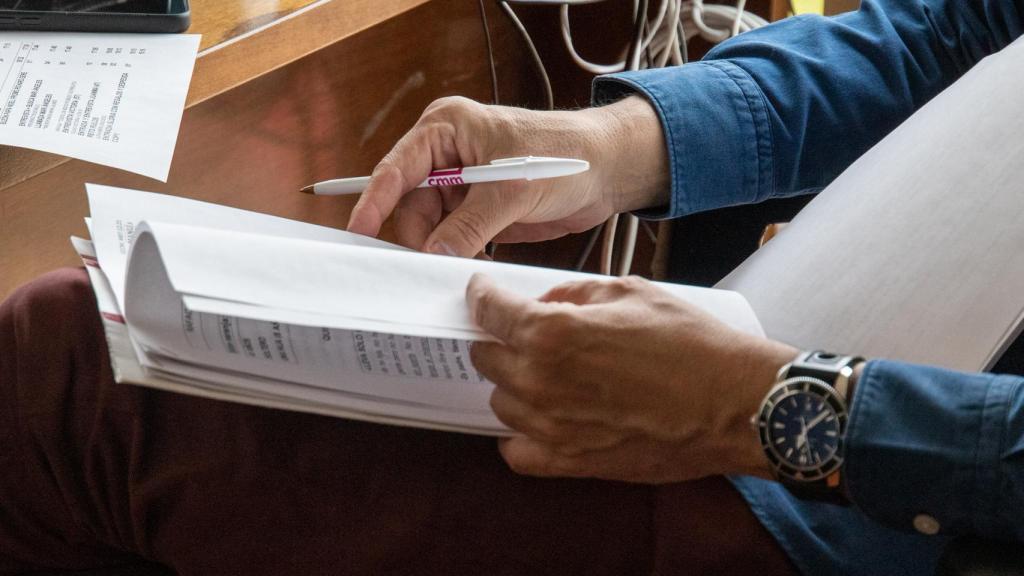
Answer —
801 427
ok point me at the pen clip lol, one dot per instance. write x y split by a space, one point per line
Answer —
511 160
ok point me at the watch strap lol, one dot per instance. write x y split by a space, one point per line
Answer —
833 369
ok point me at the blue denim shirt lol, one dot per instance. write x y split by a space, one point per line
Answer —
782 111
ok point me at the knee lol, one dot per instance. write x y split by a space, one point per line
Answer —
56 306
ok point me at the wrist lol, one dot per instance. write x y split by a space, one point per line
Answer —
634 163
762 365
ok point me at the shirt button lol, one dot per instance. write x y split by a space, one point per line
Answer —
926 525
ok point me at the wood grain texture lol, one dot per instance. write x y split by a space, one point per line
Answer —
242 39
220 20
334 112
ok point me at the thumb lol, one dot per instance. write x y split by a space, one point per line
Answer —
480 217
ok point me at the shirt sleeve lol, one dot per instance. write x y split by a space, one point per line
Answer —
784 109
938 451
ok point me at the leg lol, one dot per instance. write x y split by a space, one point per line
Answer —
44 504
107 474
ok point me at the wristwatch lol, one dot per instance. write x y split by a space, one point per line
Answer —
802 424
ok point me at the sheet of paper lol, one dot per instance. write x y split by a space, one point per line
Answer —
117 212
112 99
917 251
414 292
377 338
433 372
257 389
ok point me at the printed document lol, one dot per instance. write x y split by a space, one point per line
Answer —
229 304
112 99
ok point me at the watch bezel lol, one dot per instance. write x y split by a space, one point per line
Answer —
779 393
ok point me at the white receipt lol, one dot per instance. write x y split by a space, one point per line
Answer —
112 99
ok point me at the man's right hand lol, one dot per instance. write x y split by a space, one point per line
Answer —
622 141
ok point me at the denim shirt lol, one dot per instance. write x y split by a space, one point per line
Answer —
782 111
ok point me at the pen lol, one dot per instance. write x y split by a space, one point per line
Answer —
524 168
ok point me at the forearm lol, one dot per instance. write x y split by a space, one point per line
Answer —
926 441
785 109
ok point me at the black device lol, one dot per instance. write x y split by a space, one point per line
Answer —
95 15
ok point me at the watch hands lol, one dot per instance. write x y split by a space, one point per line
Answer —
817 420
801 440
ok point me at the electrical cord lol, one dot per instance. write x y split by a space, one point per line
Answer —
541 70
713 22
490 52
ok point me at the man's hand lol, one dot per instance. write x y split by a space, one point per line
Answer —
622 142
619 380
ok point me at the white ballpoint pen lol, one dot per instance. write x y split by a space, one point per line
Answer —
524 168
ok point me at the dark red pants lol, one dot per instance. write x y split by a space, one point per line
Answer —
96 475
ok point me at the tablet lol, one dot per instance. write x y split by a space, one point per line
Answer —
95 15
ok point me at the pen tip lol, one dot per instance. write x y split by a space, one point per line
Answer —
307 189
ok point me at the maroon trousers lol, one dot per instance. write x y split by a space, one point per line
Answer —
107 477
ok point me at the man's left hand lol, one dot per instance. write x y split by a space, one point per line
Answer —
620 380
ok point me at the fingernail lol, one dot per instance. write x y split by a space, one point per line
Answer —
441 248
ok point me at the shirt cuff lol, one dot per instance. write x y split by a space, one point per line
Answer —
716 126
933 450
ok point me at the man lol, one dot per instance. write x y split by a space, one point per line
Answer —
776 112
611 380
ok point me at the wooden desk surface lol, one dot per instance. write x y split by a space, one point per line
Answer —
222 20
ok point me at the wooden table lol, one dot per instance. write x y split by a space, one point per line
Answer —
284 92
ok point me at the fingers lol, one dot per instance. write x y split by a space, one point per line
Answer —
496 310
406 165
417 214
533 457
596 291
579 292
519 233
487 209
430 144
567 437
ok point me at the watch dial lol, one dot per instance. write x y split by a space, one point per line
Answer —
803 430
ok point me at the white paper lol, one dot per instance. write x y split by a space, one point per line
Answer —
916 252
410 290
112 99
117 212
251 308
249 282
257 390
427 371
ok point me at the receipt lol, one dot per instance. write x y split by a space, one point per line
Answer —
112 99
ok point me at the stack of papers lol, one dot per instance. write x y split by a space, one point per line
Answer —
230 304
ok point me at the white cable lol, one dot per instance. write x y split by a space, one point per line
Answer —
628 244
608 244
712 22
739 17
591 67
